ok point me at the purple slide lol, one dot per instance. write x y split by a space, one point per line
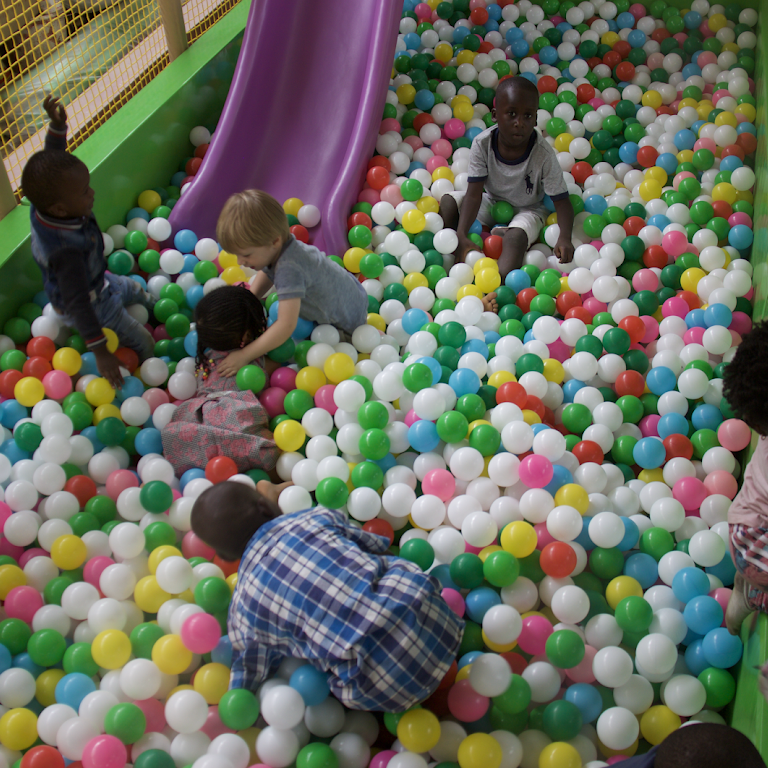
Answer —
302 114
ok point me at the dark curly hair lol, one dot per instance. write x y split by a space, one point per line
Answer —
707 745
44 174
224 317
746 377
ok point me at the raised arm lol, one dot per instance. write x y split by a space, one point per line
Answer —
56 137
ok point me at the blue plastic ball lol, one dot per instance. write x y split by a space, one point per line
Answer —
311 683
702 614
688 583
721 648
185 241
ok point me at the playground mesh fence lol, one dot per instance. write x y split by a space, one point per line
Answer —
94 55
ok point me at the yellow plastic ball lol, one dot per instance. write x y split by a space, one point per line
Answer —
465 57
338 367
610 38
463 673
650 189
651 99
418 730
292 205
551 219
531 417
747 196
573 495
657 723
227 259
621 587
149 595
149 200
500 377
159 554
704 107
171 655
18 729
554 371
563 141
231 581
29 391
406 93
717 21
112 341
68 552
498 647
559 754
45 686
99 392
212 681
11 576
684 156
232 275
519 538
731 47
489 550
310 379
464 112
651 475
443 52
469 290
377 321
687 103
352 258
415 280
433 4
414 221
747 111
443 172
479 750
476 423
459 99
485 263
68 360
657 173
111 649
488 280
110 410
428 204
289 435
690 278
726 118
178 688
724 191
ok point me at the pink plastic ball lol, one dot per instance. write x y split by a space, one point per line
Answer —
272 399
6 548
381 759
22 603
721 482
734 434
415 142
160 334
694 335
690 492
390 124
391 194
533 638
57 385
645 280
674 243
454 599
155 397
5 513
213 726
119 480
28 554
582 672
651 329
559 350
324 398
675 307
722 595
536 471
410 418
742 323
454 128
95 567
543 536
285 378
105 751
154 711
371 196
442 148
465 704
440 483
436 161
648 425
593 306
192 546
734 219
200 633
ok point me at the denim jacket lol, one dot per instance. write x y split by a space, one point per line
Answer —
70 254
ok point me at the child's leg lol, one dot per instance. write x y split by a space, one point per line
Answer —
738 609
131 292
750 588
513 251
112 314
449 211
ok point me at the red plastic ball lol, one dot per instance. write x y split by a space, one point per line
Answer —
584 93
377 177
8 380
512 392
421 120
655 256
525 297
478 16
612 59
359 218
220 468
128 358
43 757
492 246
634 326
200 150
41 346
587 451
533 403
300 233
625 71
567 300
558 559
380 528
722 209
633 225
581 171
82 487
547 84
747 142
37 367
192 165
646 156
690 298
678 446
580 313
630 383
380 160
622 47
226 566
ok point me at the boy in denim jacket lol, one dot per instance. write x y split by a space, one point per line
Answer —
68 246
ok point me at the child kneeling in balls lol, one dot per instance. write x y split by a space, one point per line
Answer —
222 420
744 389
254 227
314 586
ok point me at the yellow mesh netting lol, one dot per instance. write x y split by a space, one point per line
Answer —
94 54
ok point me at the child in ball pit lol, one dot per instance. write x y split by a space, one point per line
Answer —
222 420
254 227
313 585
68 247
511 162
744 383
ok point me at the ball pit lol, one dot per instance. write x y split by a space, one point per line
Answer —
564 468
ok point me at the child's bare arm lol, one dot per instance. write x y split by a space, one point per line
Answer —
260 285
469 211
55 111
564 246
278 333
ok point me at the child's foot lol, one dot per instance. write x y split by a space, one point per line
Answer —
271 491
489 303
737 609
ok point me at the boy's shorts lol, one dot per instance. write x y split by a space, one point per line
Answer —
530 220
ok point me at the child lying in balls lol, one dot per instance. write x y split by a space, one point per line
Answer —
309 285
222 420
511 162
312 585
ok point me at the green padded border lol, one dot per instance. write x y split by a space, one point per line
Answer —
138 148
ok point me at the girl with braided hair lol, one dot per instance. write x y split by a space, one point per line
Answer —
222 420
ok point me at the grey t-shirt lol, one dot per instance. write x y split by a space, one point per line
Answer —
328 293
522 182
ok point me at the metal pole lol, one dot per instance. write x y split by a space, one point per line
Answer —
7 198
173 22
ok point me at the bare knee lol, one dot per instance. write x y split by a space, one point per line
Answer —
449 210
515 238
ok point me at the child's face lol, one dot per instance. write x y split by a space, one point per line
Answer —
260 256
515 114
76 195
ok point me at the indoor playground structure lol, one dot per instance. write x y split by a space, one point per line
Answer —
563 468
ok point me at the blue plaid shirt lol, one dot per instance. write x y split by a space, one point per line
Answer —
312 585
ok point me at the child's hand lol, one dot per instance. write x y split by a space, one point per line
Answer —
465 246
56 112
232 363
109 366
564 251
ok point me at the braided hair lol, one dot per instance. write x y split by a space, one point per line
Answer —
745 376
223 317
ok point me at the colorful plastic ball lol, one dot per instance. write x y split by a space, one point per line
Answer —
479 750
105 751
